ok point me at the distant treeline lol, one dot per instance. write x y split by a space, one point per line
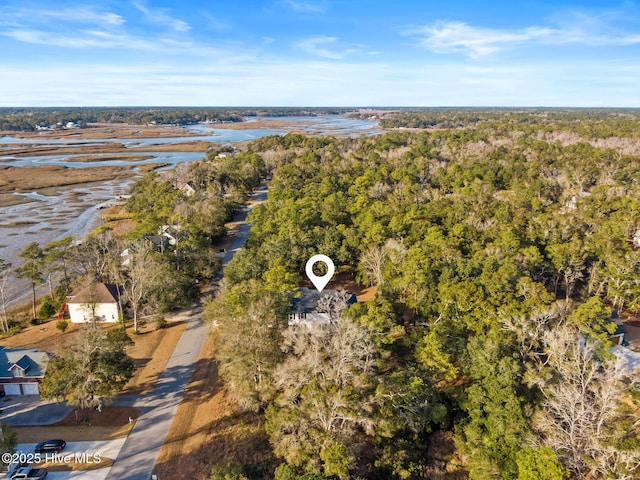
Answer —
27 119
589 123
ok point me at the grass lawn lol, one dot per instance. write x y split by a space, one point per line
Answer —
84 425
150 352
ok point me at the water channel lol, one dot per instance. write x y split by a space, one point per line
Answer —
74 210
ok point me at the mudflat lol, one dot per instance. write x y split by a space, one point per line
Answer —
89 148
32 178
98 147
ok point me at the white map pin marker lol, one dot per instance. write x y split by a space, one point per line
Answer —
320 282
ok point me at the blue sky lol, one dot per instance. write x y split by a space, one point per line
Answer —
319 53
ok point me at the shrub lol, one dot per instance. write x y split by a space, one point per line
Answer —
47 309
13 329
539 464
285 471
228 471
62 325
8 441
161 322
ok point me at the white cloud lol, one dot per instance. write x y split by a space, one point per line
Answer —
319 46
324 83
214 23
87 40
143 8
80 14
165 47
459 37
87 27
161 16
305 7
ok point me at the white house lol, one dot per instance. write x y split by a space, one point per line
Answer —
189 189
636 239
21 370
310 307
168 235
99 300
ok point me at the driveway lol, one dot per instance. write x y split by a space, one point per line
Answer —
30 410
95 452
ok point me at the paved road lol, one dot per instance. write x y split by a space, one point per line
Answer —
140 451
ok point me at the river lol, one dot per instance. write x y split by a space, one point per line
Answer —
73 210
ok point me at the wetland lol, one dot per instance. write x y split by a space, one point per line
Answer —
55 183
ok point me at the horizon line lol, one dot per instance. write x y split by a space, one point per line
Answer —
327 107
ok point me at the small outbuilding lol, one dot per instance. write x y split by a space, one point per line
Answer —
99 301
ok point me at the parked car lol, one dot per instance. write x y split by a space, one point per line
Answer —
29 473
50 446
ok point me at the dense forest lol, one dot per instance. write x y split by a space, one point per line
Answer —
26 119
498 247
588 123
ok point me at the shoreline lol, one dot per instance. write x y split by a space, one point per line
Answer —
104 131
43 200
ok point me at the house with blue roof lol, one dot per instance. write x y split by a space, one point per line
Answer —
22 370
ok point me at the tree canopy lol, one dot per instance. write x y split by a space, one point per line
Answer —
487 238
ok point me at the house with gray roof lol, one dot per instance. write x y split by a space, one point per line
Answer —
313 308
22 370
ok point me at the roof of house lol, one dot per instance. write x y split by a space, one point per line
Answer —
98 293
158 240
32 361
307 302
620 328
631 358
189 186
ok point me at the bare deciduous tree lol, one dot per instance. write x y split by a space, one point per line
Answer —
139 276
91 299
529 329
334 304
582 395
97 255
372 261
326 394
